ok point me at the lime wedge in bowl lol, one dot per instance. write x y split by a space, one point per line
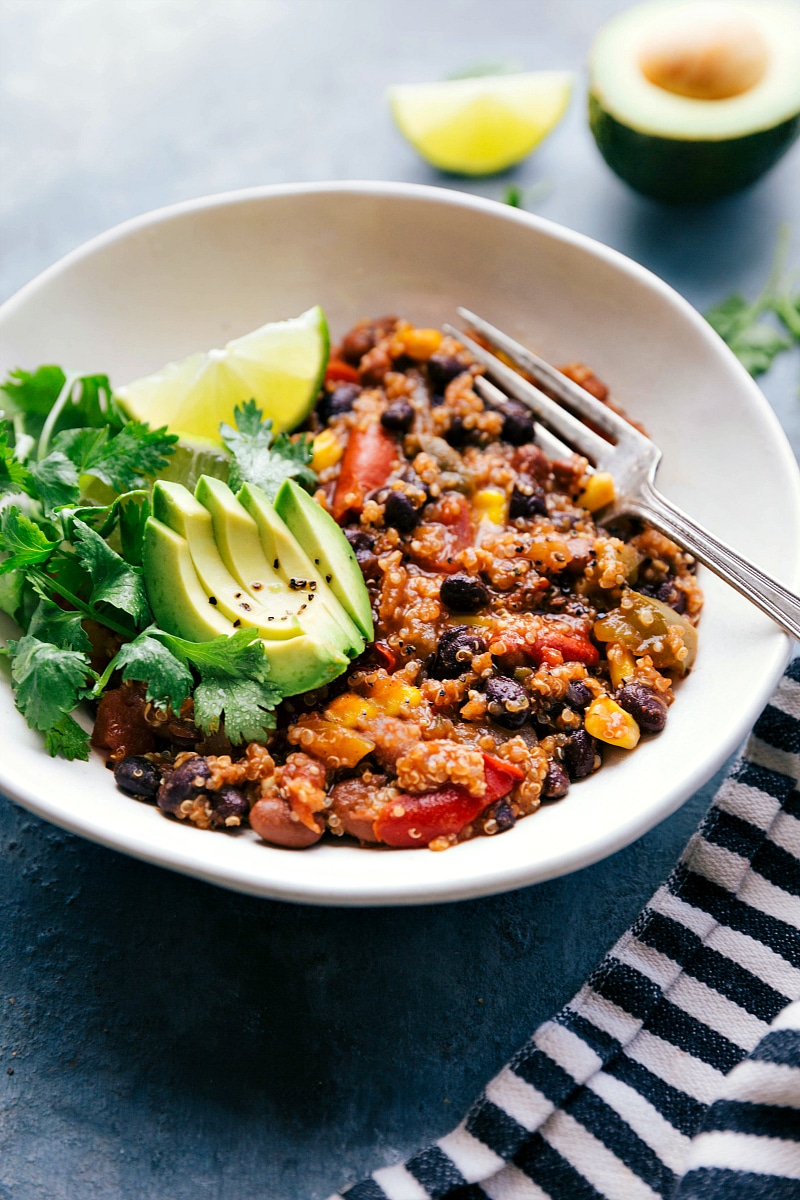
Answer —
280 366
484 124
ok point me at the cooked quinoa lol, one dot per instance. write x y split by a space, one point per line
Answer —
515 639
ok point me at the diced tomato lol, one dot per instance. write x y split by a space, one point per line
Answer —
120 727
553 646
366 465
451 511
338 371
416 820
501 777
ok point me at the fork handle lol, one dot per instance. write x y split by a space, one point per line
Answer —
772 597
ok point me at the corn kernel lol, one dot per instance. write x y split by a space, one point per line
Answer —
609 723
491 504
326 451
421 343
394 697
598 491
349 709
621 664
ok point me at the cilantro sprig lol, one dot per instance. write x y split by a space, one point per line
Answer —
750 327
261 458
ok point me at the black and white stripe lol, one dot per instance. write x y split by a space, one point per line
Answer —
675 1071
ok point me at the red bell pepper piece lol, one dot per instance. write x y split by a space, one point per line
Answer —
366 465
501 777
412 821
338 371
385 656
416 820
553 646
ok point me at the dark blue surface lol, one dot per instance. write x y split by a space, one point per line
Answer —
160 1038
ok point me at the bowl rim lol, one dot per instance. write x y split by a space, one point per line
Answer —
309 890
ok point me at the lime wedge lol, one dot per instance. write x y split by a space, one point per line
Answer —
482 125
279 365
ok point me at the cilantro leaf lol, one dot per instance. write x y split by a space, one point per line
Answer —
22 540
67 739
233 683
146 660
50 623
55 481
114 581
747 326
753 339
14 477
247 705
48 681
239 653
33 394
262 459
124 461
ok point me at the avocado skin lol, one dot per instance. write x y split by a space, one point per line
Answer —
679 171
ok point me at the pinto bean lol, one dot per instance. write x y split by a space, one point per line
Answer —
272 819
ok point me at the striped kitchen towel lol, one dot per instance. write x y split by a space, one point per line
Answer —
675 1071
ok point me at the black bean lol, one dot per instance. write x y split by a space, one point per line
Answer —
517 425
398 417
578 754
507 702
578 695
340 400
360 541
463 594
442 368
227 802
457 646
457 435
399 512
672 595
185 782
556 782
647 708
137 776
502 814
527 500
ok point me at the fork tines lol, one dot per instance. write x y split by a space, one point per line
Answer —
560 420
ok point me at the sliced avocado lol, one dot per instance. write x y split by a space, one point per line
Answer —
274 617
181 606
292 563
690 101
329 550
177 597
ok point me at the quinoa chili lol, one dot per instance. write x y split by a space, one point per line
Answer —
515 639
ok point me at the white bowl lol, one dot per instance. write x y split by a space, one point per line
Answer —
197 274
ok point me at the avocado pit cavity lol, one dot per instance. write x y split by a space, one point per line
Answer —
713 55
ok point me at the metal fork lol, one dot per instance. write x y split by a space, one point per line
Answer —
629 456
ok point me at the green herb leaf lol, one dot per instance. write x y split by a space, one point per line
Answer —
48 681
748 327
33 394
55 481
14 477
22 541
122 462
233 683
50 623
246 704
146 660
262 459
114 581
68 740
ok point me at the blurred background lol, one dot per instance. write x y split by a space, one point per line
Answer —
159 1037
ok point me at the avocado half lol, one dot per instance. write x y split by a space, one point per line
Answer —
692 101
